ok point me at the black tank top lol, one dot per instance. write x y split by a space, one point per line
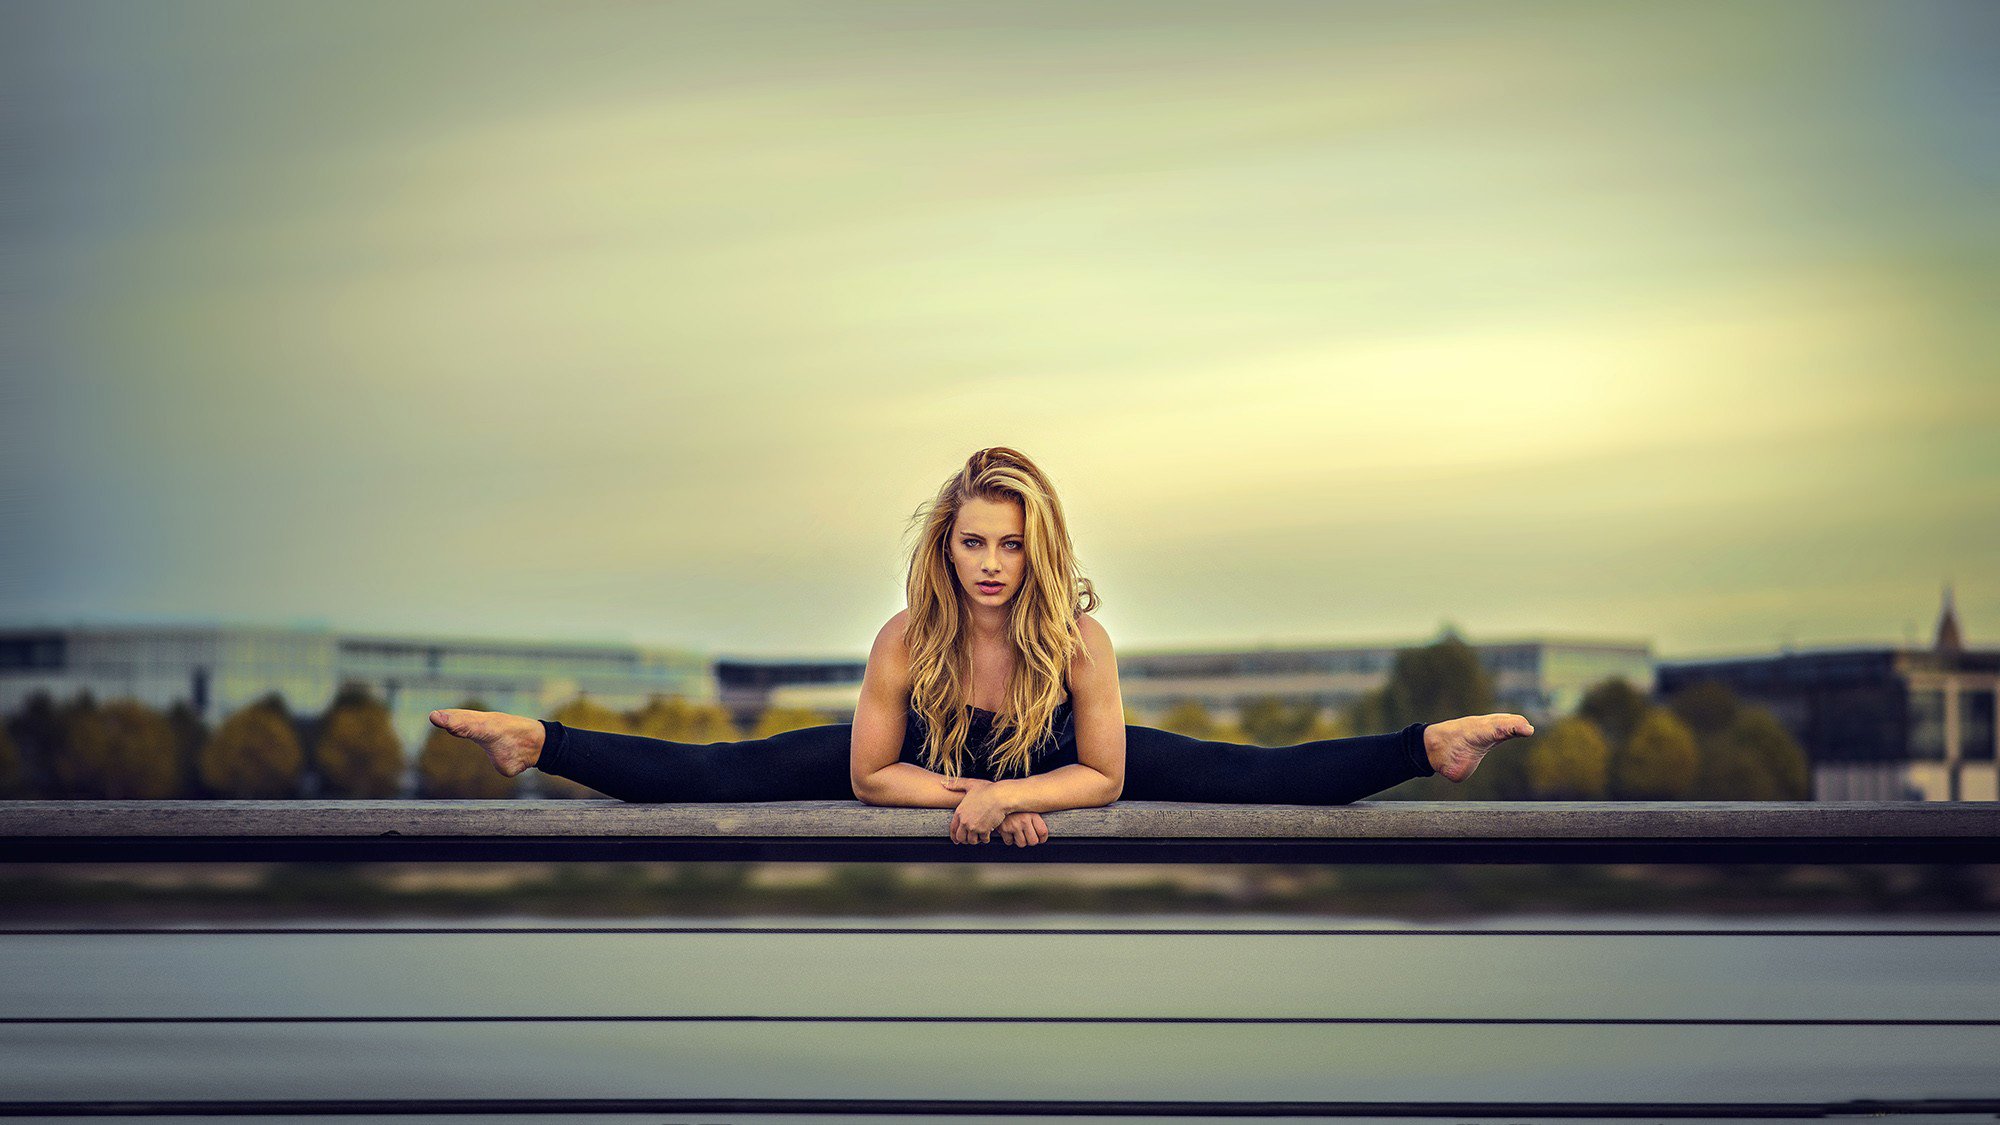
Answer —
1057 748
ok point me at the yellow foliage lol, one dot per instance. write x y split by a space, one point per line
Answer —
358 754
777 720
1754 759
253 754
1190 718
1569 761
679 720
1660 762
663 716
123 752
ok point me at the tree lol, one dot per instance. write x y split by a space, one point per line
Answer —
1569 761
358 754
190 734
1369 713
13 775
1754 759
254 754
37 732
144 765
1426 685
450 766
1616 707
583 714
663 716
1270 721
710 722
1328 723
81 748
1708 708
1659 762
777 720
1190 718
679 720
123 751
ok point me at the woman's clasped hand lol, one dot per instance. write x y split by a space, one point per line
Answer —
980 814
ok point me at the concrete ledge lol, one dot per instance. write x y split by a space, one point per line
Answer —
1374 832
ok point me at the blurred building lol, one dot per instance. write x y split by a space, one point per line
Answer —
218 670
830 685
1534 677
1878 724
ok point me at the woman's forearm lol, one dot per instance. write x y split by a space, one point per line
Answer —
907 785
1070 787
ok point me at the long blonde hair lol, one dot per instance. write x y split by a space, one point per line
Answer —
1041 618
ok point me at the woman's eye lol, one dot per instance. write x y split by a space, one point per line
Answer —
1011 546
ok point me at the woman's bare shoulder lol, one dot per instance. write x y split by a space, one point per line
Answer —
1095 637
890 641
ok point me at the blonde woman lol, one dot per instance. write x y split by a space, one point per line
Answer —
995 694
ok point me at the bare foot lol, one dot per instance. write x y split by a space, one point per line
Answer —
513 742
1456 746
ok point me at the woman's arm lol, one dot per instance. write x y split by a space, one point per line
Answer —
1099 775
873 765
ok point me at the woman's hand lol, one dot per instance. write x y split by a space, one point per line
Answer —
978 813
1024 829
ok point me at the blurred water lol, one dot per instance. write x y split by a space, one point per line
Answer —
972 1008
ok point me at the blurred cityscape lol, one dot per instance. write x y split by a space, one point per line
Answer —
164 712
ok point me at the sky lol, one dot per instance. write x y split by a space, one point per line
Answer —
1332 323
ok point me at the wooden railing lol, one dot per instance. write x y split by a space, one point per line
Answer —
1139 831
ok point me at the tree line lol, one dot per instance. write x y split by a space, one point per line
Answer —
1704 743
126 750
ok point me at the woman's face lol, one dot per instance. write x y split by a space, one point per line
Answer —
987 550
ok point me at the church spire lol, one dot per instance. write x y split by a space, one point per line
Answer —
1948 638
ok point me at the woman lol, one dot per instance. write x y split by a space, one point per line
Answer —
994 694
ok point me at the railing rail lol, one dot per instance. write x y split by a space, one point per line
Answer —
1139 831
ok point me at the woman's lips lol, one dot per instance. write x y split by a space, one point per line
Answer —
991 587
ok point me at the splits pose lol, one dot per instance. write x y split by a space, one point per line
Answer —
994 694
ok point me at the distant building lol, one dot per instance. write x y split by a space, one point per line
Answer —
1533 677
218 670
1878 724
746 686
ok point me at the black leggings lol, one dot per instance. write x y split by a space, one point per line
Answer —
811 765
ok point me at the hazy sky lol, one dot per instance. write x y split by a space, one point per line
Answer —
1665 321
